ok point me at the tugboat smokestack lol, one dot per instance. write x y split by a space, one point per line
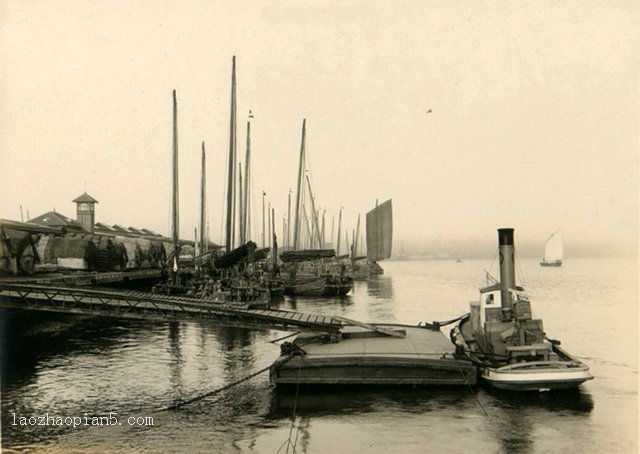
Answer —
506 253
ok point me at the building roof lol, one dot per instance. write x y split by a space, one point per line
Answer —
54 219
86 198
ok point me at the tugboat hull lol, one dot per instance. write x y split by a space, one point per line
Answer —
544 376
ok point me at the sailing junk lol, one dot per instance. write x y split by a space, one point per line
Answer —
305 272
379 232
379 241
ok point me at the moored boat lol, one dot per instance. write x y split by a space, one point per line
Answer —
363 354
305 274
509 346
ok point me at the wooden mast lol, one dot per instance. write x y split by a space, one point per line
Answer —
356 238
322 245
232 165
174 205
296 226
274 244
339 225
244 204
203 212
315 229
288 242
241 199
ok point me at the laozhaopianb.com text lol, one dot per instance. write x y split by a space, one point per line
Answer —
110 419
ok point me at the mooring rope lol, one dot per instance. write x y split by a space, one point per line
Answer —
293 414
464 377
436 325
279 363
283 337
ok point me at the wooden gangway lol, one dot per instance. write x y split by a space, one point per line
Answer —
152 306
86 277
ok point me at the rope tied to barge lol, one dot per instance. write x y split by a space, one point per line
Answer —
294 351
436 325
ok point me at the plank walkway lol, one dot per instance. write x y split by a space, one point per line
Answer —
152 306
85 277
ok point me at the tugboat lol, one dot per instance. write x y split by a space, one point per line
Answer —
507 344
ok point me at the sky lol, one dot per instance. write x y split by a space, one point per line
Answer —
533 120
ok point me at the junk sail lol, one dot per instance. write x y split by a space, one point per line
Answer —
379 232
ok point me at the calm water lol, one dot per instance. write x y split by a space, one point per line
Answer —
73 367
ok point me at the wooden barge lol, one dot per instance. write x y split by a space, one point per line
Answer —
363 354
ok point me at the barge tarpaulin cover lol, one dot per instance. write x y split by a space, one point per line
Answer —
307 254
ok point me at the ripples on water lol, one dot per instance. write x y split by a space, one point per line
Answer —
69 366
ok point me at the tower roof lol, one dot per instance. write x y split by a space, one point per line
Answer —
85 198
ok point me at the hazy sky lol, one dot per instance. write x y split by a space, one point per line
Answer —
534 119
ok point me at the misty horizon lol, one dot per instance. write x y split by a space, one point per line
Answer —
469 118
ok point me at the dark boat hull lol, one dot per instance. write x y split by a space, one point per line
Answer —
318 286
554 263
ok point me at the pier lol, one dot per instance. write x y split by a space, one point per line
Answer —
86 277
154 307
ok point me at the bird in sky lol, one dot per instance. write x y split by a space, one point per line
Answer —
429 111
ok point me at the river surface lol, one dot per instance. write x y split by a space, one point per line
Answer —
87 367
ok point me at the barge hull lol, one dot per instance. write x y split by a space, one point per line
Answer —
374 371
365 355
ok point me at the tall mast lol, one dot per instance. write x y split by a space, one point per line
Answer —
296 226
269 223
263 221
306 223
353 245
284 230
174 211
288 242
339 225
346 241
273 238
356 238
314 216
241 199
245 202
232 163
324 212
203 212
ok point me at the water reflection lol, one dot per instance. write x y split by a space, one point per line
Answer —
176 362
516 417
350 400
380 287
573 400
312 304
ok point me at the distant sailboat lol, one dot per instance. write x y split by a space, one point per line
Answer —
553 250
